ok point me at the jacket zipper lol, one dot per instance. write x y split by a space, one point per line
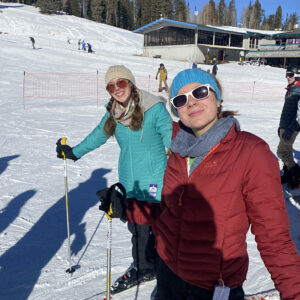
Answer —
180 201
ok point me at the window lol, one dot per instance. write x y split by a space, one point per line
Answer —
236 40
205 37
221 39
253 42
170 36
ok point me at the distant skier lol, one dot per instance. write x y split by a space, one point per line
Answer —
215 68
79 43
163 76
89 48
289 128
83 45
32 42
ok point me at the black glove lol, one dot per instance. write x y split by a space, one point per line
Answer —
113 201
287 134
66 149
278 131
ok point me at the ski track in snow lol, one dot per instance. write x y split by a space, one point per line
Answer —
33 249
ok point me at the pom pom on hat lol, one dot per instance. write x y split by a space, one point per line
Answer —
193 75
118 71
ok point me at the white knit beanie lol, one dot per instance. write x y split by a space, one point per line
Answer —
118 72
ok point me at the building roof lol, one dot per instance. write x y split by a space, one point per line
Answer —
162 22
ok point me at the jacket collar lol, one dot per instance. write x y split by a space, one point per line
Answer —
186 144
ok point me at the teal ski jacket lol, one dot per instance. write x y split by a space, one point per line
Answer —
143 159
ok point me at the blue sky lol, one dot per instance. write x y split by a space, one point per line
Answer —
270 6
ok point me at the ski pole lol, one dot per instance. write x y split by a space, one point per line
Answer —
70 269
108 254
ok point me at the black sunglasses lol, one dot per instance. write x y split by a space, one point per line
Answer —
199 93
290 74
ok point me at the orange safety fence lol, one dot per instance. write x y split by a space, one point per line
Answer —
91 86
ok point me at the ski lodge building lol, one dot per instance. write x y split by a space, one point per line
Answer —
170 39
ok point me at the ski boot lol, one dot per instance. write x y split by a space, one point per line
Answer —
131 278
154 293
285 175
294 177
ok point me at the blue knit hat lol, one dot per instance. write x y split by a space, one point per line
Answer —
193 75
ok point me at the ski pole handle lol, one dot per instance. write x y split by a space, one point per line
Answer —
64 142
109 213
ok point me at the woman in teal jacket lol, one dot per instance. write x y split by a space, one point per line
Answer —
142 127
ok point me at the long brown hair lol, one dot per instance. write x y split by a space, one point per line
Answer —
136 118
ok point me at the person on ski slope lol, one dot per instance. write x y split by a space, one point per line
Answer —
142 127
215 68
289 128
163 76
32 42
219 182
83 44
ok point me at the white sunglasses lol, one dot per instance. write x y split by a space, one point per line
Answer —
199 93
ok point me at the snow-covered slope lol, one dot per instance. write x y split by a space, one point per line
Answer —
33 248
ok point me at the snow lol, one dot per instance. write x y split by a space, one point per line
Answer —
34 247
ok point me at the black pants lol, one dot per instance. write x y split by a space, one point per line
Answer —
143 251
170 286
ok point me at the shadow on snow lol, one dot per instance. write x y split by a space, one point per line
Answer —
21 265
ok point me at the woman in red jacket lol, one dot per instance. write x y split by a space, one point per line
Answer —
219 180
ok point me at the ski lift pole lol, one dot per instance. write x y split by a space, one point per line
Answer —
108 254
70 269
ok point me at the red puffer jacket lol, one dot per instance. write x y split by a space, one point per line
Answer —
203 222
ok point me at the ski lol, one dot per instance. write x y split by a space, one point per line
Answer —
119 288
289 192
268 295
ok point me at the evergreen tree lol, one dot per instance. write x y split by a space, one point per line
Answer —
125 13
258 14
180 10
168 9
74 7
278 17
98 10
246 15
145 12
292 21
111 14
231 14
213 15
264 24
188 13
221 12
156 9
49 6
271 22
137 13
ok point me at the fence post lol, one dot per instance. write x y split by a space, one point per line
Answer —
253 91
97 86
24 90
149 84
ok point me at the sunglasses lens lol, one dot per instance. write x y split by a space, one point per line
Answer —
180 101
122 83
110 88
200 92
290 74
